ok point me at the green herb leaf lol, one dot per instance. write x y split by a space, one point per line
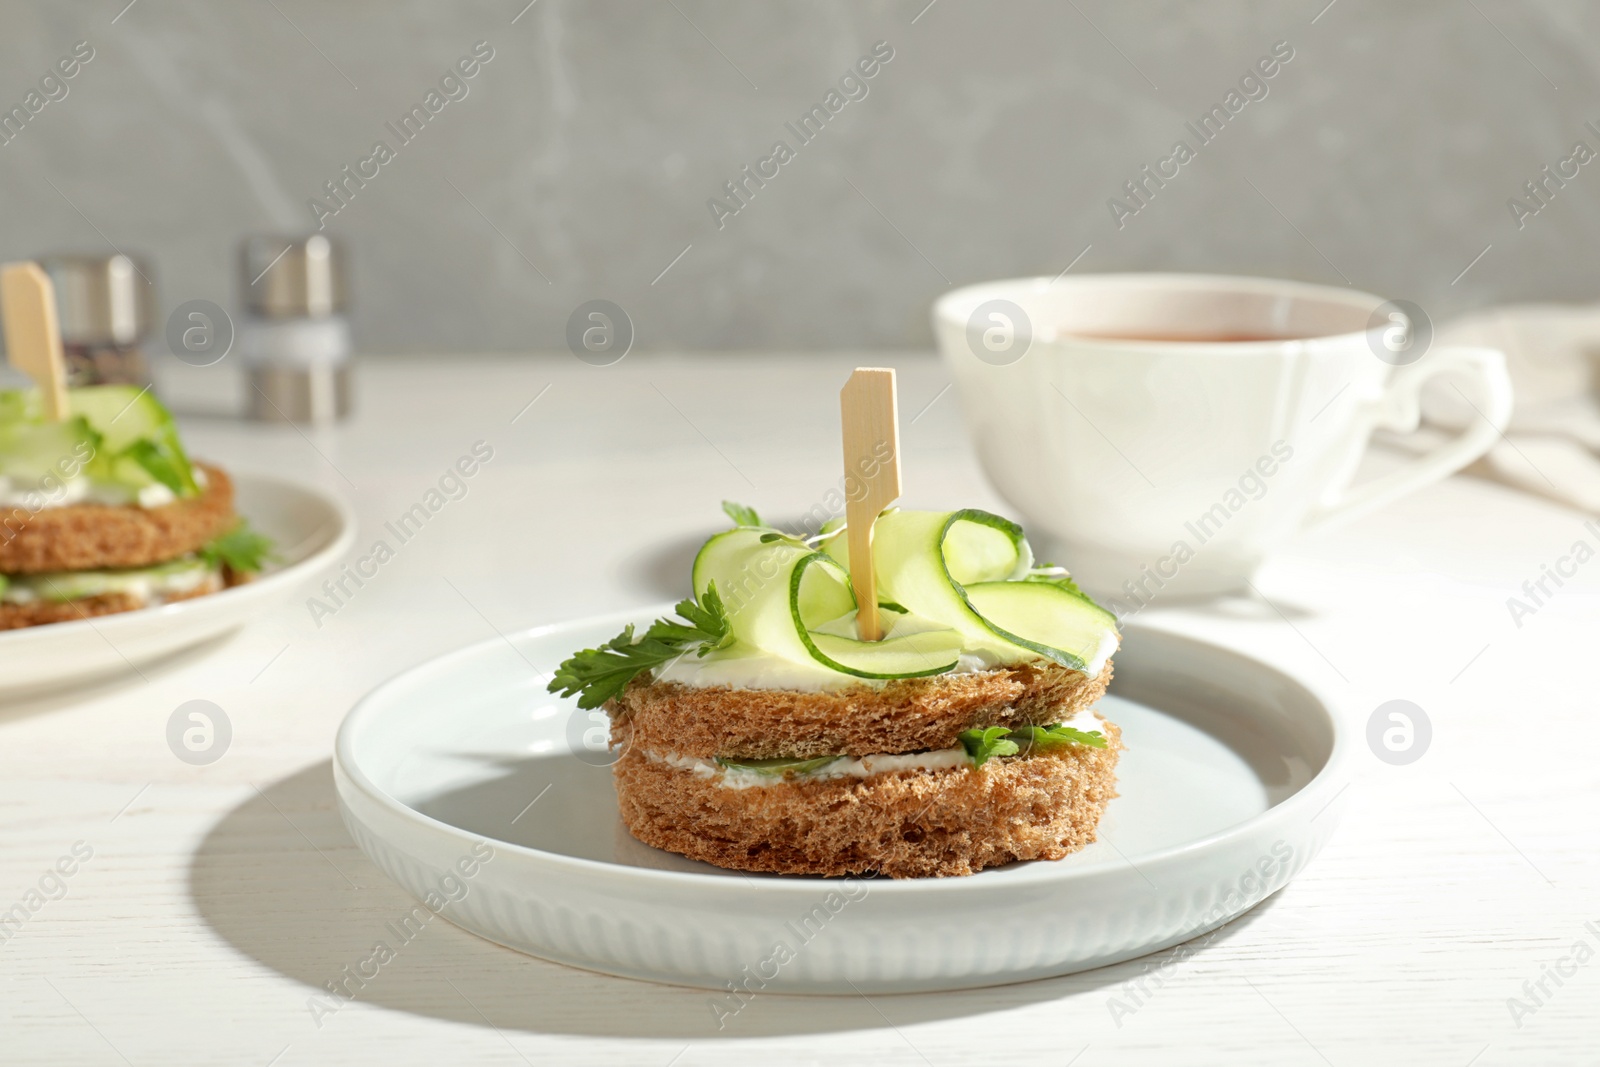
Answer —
983 744
1045 737
598 674
157 463
1051 574
777 768
708 623
243 549
992 741
740 514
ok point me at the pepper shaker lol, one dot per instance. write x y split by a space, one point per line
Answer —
105 306
295 340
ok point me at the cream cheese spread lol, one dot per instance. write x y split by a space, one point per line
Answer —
844 766
65 492
35 496
746 668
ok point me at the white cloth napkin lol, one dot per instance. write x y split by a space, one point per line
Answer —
1552 447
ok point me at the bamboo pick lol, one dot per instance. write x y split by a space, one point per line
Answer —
33 335
872 478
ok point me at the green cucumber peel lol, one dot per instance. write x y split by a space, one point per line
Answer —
933 663
951 582
1058 576
46 454
60 587
134 426
794 602
1057 655
922 574
1006 526
128 438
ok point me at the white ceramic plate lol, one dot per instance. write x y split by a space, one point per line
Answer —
1227 791
311 528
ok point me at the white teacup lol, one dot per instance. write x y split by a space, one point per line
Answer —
1165 432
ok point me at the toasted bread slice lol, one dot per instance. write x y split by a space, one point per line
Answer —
903 824
84 537
912 715
41 612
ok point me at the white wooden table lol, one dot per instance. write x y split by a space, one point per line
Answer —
218 900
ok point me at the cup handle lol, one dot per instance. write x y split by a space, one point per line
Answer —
1400 409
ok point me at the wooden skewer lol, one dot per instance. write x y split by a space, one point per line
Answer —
33 334
872 479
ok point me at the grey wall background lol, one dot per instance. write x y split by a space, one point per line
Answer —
580 164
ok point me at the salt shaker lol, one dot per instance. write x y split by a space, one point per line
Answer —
104 304
295 340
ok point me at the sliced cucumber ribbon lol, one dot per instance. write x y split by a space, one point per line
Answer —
968 569
791 601
957 581
179 575
116 434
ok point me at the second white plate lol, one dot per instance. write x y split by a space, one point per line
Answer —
491 802
311 529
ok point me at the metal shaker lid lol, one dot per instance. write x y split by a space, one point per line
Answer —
101 299
291 277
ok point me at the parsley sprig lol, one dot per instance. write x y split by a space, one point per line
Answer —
598 674
1044 737
243 549
741 514
983 745
989 742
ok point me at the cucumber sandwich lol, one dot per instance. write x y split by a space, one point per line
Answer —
104 512
758 732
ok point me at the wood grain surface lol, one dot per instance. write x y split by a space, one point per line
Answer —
215 903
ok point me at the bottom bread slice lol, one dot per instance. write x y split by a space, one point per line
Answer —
903 824
43 612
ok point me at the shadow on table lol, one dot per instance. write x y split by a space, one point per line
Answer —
314 914
1247 607
663 569
24 702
